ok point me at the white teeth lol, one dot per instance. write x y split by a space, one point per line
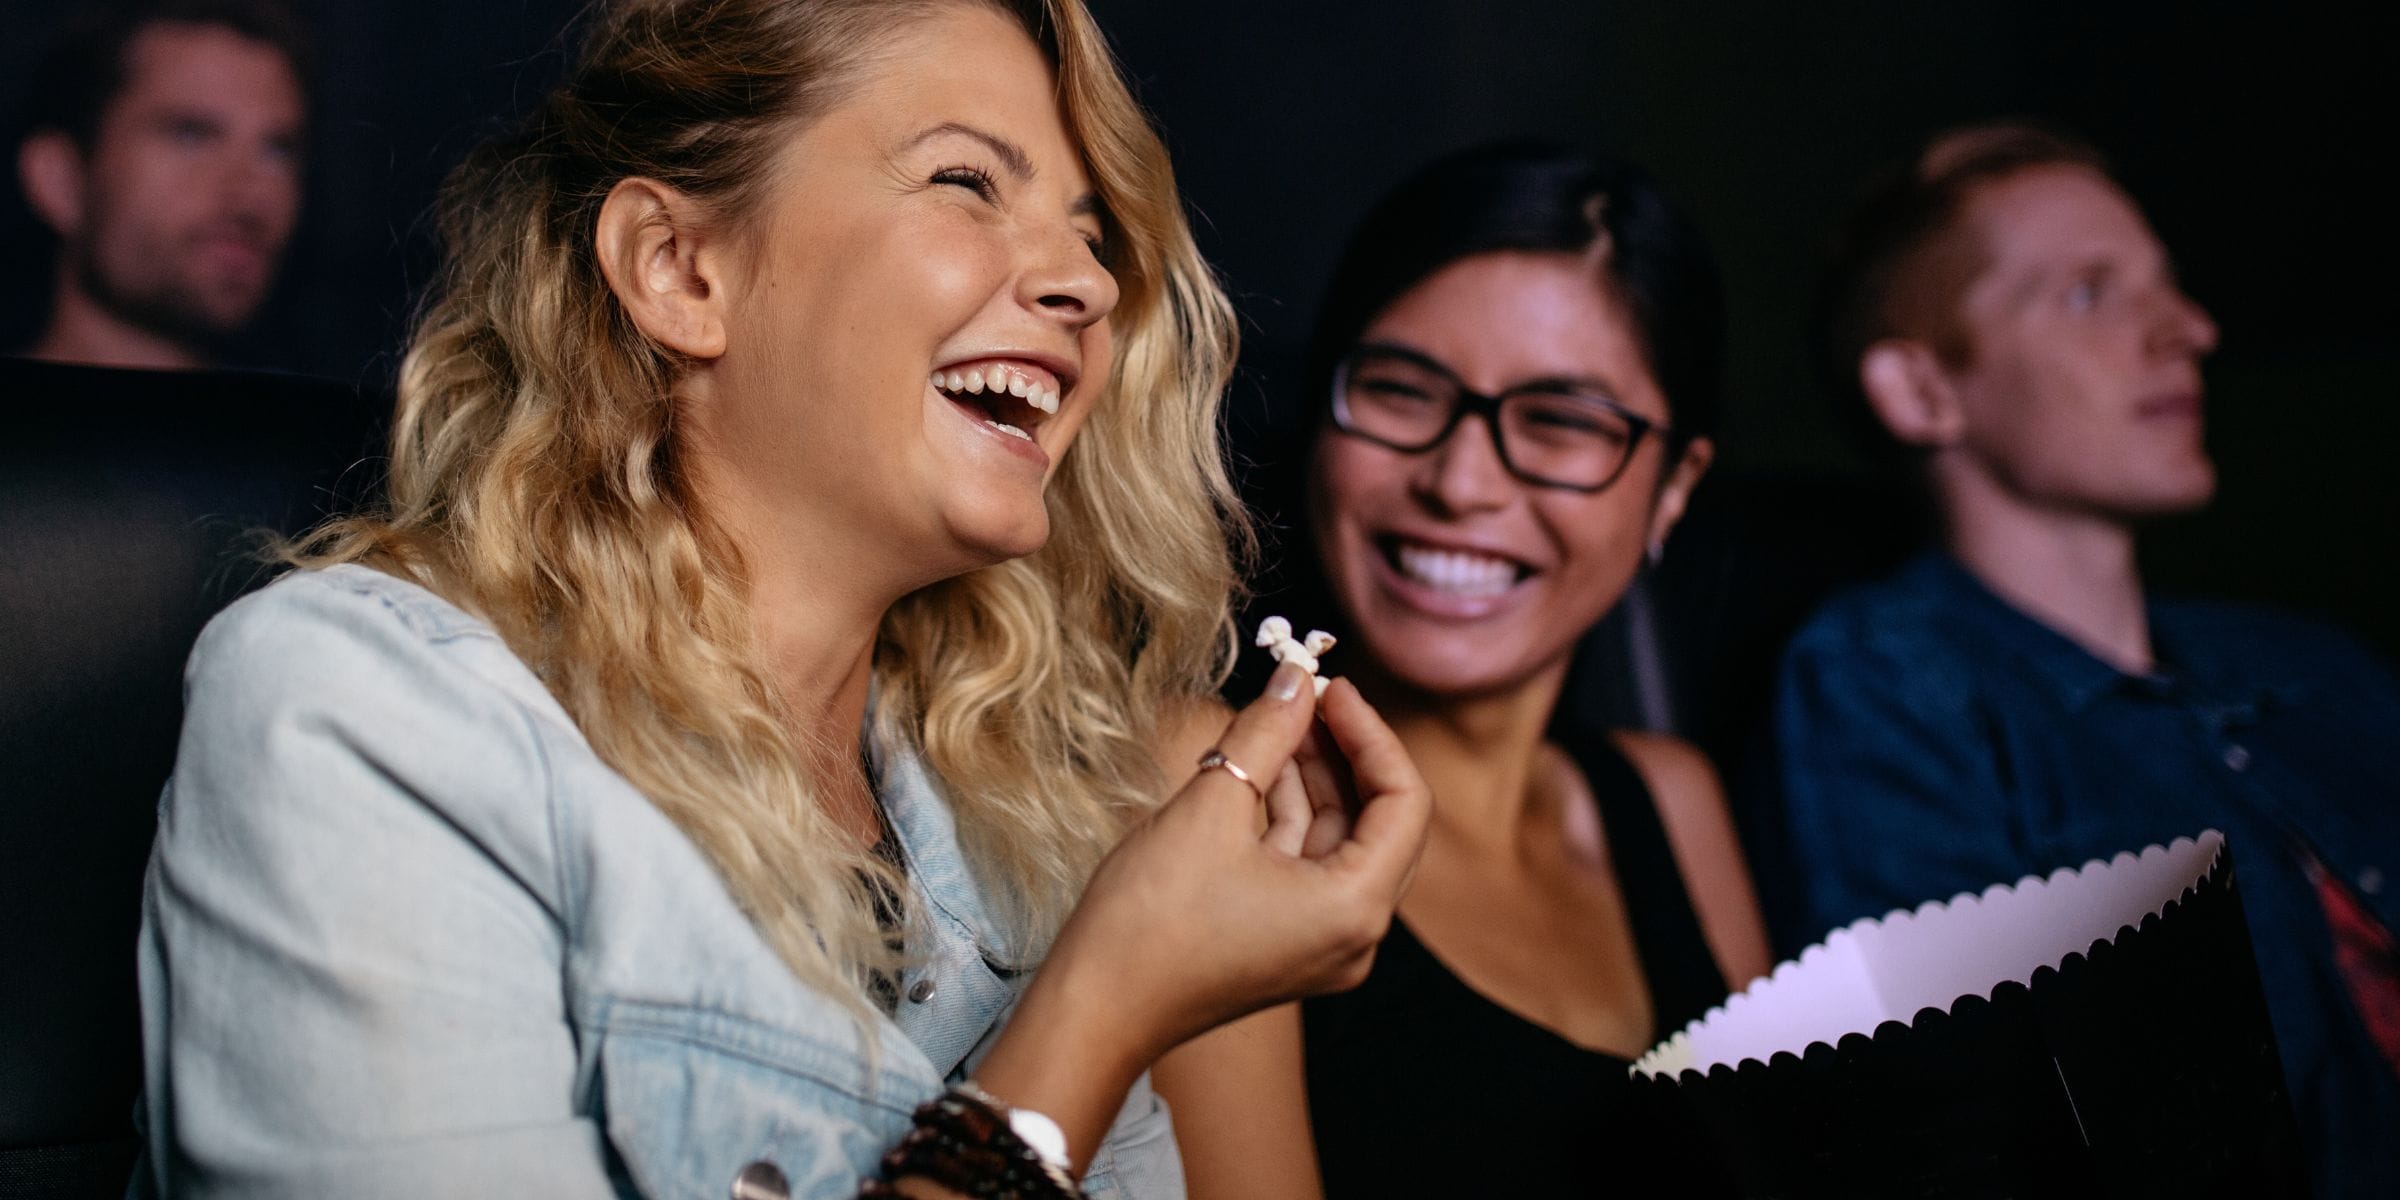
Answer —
998 379
1452 571
1010 430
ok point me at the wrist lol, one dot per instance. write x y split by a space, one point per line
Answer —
965 1142
1030 1126
1068 1056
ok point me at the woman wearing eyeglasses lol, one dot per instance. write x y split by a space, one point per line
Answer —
1521 350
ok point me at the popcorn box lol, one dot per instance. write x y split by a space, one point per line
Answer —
2100 1032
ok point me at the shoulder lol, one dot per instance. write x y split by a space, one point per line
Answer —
335 693
341 603
2264 636
354 633
1668 764
1689 798
1896 644
1898 617
1700 834
1690 801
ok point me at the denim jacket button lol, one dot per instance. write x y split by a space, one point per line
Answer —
761 1180
920 991
2237 757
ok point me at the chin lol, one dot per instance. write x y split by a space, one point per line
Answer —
2189 490
990 542
1448 684
1440 669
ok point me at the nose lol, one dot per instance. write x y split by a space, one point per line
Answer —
1066 281
259 185
1464 474
2183 327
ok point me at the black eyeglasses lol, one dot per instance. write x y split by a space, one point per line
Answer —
1549 433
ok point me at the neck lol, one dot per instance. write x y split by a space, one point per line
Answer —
817 642
2075 572
81 331
1477 753
817 596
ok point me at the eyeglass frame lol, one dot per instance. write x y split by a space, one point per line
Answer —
1472 402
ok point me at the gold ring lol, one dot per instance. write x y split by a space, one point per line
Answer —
1215 760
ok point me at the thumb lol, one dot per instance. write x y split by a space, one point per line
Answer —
1396 807
1264 734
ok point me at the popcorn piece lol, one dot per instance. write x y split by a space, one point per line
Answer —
1275 633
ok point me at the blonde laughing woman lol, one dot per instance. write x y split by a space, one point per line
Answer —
726 765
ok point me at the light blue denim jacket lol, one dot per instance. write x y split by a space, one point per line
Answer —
404 934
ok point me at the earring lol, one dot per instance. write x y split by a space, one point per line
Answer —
1657 551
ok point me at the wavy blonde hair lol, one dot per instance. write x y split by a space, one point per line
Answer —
535 481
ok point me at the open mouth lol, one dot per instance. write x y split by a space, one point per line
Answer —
1009 395
1451 571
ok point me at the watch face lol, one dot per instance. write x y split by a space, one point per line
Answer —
1041 1133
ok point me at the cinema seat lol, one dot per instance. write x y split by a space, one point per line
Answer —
133 505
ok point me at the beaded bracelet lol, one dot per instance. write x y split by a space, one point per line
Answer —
962 1141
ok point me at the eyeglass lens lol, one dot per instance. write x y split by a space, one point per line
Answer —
1550 436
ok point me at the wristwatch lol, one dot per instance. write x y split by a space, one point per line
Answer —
1039 1133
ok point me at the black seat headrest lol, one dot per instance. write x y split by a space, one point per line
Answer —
133 506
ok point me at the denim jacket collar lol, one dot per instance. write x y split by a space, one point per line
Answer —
927 830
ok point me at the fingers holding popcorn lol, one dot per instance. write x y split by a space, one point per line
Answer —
1275 635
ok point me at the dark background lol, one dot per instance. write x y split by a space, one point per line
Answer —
2249 133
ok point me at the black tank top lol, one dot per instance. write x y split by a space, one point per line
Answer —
1420 1086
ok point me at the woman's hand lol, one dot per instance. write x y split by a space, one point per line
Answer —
1199 917
1215 919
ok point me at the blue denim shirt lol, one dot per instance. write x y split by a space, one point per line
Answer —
1932 739
404 934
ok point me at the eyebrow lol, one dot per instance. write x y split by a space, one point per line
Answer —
1554 383
1011 155
2036 285
175 115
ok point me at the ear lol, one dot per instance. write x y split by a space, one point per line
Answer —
1675 491
50 170
663 266
1910 392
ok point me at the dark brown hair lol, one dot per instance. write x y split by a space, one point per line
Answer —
1543 198
84 70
